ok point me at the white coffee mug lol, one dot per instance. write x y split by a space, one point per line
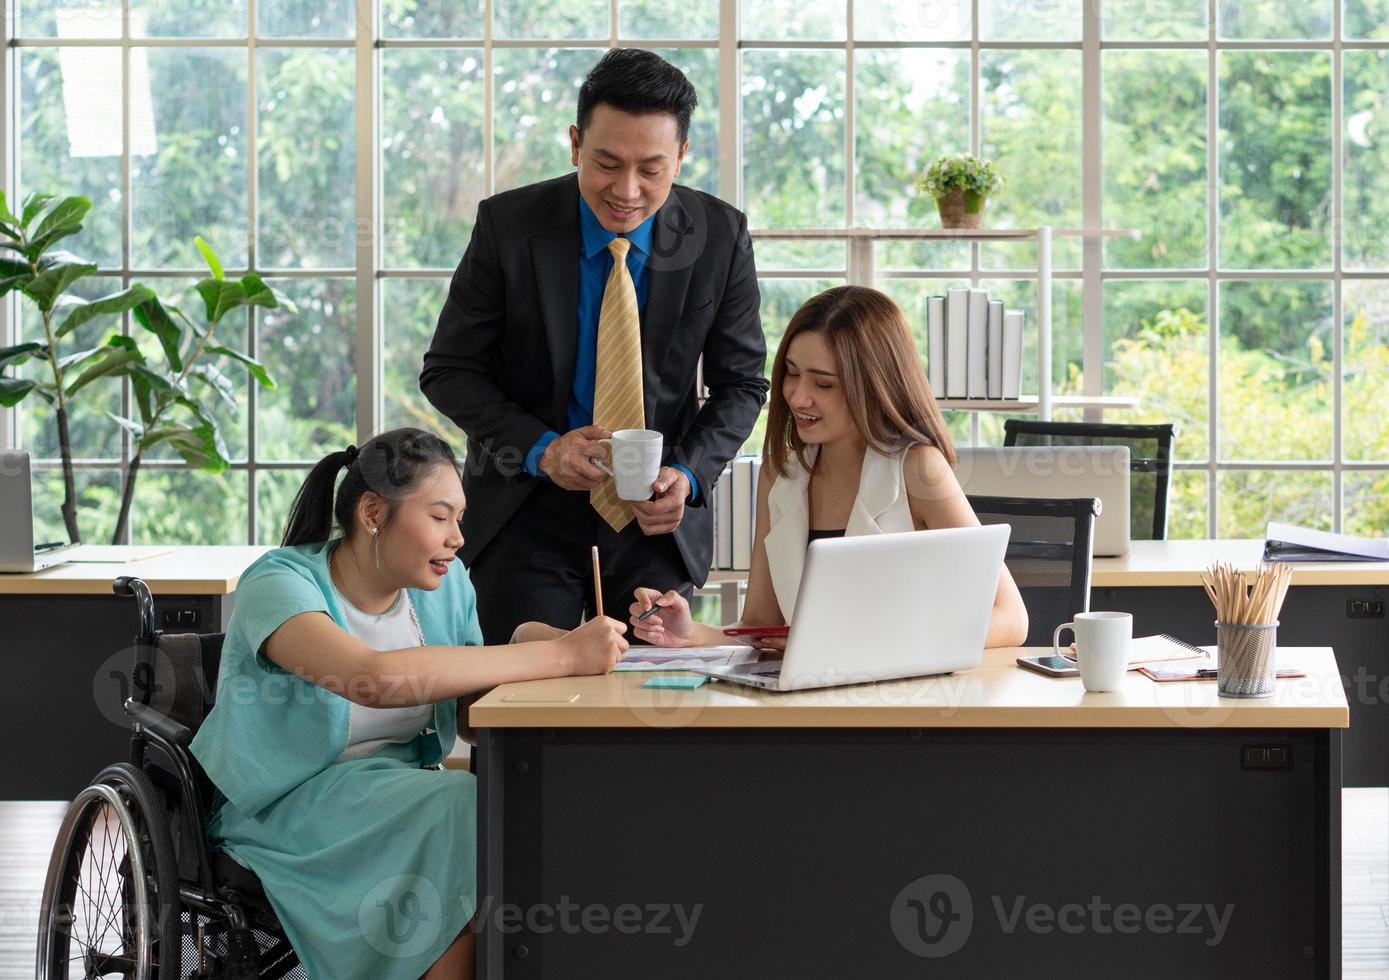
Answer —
1102 647
636 462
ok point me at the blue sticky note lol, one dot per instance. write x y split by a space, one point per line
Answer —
678 683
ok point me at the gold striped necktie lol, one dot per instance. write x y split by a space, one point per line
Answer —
617 384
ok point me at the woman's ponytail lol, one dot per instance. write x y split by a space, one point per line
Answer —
311 516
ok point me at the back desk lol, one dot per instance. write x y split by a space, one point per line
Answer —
991 823
66 652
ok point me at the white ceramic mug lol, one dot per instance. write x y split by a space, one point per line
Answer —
1102 647
636 462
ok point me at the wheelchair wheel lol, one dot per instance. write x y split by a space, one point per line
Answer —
110 898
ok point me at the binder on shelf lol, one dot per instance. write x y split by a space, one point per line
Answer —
956 343
723 519
1012 354
978 386
995 348
745 470
935 344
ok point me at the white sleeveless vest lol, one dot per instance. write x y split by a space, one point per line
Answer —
881 507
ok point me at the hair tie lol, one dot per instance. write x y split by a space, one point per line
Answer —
351 455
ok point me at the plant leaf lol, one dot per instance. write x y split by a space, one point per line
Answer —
13 390
63 219
146 382
33 204
104 306
210 257
254 366
56 276
20 353
154 317
218 382
117 356
220 297
69 212
73 360
260 294
136 430
199 445
5 214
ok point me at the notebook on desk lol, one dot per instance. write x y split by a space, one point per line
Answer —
1159 649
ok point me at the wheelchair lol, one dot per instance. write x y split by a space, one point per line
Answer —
133 888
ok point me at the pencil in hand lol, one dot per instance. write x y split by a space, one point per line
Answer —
597 583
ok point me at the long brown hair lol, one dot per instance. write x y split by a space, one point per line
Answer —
889 398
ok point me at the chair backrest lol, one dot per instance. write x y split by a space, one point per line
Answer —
185 675
1048 555
1150 461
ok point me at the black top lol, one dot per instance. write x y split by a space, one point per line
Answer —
817 534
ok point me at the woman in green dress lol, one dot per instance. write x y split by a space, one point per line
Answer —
346 662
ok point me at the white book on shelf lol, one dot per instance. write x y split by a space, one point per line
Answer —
723 519
978 343
1012 354
745 470
956 343
995 348
935 344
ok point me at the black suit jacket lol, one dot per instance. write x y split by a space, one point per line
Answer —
501 364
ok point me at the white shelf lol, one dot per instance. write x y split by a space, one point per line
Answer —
928 234
1028 403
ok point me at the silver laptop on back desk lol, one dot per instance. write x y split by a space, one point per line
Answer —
1057 471
877 607
18 550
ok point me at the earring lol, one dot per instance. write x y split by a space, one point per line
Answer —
376 546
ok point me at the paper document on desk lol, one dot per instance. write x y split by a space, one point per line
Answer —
685 658
1287 542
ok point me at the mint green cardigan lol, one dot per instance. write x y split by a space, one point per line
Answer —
270 729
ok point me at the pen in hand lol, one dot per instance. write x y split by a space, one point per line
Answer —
655 608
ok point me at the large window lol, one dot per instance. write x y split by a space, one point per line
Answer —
341 148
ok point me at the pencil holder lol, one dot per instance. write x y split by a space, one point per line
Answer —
1245 659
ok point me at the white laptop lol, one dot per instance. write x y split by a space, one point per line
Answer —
1057 471
18 550
875 607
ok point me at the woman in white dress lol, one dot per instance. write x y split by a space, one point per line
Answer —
856 444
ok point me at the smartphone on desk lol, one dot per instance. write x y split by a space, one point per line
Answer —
757 631
1050 665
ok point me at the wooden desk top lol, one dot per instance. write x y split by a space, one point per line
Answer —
997 693
182 570
1180 562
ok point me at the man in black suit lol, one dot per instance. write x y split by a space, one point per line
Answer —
536 355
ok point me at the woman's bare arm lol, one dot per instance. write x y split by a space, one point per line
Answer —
317 649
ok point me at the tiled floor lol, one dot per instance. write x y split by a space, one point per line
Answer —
27 831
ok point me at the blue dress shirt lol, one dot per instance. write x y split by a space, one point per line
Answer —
595 265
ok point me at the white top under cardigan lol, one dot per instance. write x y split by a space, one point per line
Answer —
370 728
881 507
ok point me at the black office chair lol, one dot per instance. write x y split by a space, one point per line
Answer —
1048 555
133 887
1150 461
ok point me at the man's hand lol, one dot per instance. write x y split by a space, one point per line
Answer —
568 461
663 515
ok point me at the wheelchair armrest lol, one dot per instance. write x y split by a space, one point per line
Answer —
158 722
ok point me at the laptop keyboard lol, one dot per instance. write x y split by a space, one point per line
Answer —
48 546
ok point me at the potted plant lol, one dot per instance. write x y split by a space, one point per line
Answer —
31 265
961 185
